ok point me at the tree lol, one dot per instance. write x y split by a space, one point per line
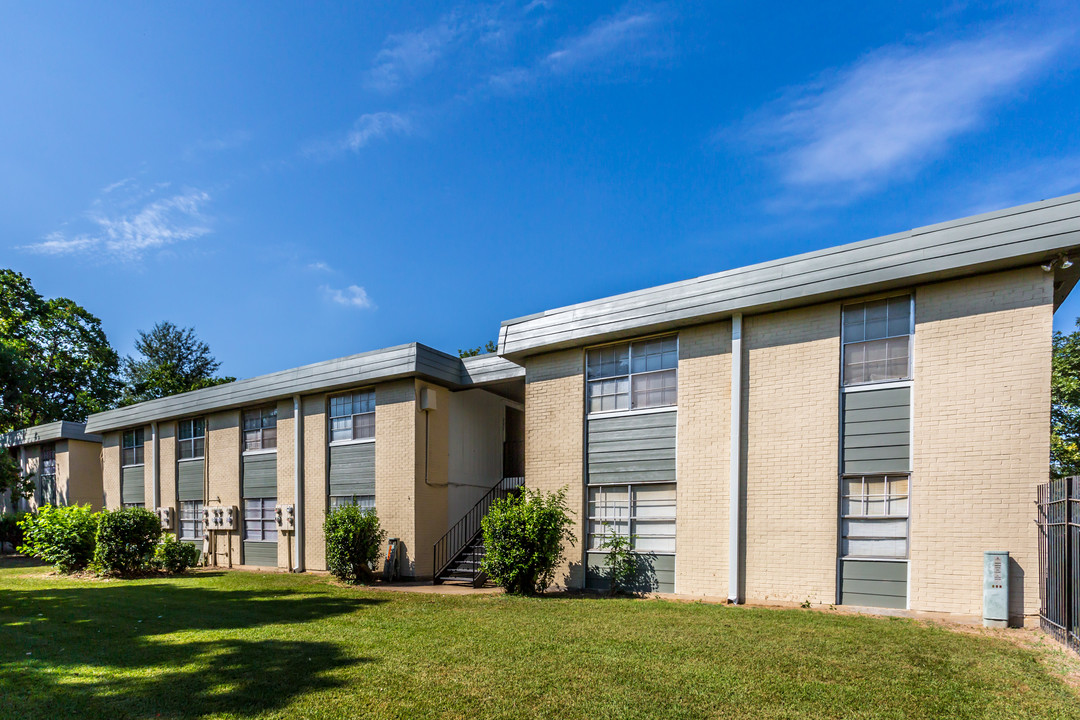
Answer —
13 479
490 347
55 360
173 361
1065 404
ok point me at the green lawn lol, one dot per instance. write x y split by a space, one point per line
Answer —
237 644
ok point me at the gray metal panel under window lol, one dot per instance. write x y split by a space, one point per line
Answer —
873 583
263 554
656 573
632 448
189 480
877 427
260 475
352 469
132 489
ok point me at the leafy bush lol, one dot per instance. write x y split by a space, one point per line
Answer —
523 540
353 543
126 540
174 556
10 532
620 563
63 536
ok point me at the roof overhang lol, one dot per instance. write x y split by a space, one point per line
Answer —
49 432
1016 237
403 361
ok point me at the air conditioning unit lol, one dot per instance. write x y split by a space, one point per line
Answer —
286 517
220 517
165 515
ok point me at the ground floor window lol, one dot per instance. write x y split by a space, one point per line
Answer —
366 502
874 516
131 505
645 512
191 520
259 521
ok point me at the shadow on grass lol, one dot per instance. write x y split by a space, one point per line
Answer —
97 651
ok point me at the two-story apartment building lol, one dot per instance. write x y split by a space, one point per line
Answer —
64 462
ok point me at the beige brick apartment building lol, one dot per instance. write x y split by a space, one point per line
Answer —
65 463
856 425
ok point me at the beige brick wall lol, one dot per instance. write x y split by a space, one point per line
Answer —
702 460
554 442
110 468
791 401
981 435
167 470
286 471
315 474
80 465
223 468
396 468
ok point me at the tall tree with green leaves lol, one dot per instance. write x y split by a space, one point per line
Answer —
173 360
490 347
55 360
1065 404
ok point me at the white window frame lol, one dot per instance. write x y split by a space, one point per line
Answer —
631 516
629 377
190 441
195 522
354 396
261 430
888 497
910 335
363 501
267 519
138 447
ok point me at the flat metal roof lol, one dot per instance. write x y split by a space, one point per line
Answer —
412 360
1015 237
49 432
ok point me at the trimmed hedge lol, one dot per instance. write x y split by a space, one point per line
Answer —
173 556
353 543
126 540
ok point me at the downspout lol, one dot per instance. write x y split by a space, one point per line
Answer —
298 491
735 463
154 465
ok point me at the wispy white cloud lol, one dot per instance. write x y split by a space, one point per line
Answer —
855 129
376 126
407 56
127 227
320 266
606 40
353 296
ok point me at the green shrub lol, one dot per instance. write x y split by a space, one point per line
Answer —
620 563
174 556
353 543
63 536
523 540
126 540
10 532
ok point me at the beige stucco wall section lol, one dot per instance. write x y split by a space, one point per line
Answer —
315 469
791 401
167 470
431 494
79 464
148 468
110 468
396 467
223 463
702 468
981 435
286 474
554 442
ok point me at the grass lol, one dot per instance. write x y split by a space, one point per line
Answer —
236 644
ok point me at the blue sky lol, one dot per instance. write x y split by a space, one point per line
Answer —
306 181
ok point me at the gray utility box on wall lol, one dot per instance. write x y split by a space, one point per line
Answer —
995 589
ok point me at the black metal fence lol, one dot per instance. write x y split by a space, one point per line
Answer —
1059 559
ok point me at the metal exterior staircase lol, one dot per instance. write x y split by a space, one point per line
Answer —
459 552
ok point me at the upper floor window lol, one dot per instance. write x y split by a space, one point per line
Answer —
191 438
352 416
131 452
877 340
633 376
260 429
